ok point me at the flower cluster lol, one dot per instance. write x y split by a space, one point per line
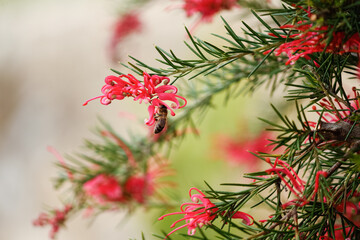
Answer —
240 152
147 91
124 26
341 113
107 189
135 187
104 188
294 183
97 188
349 210
337 124
207 8
282 169
201 212
309 39
139 188
56 219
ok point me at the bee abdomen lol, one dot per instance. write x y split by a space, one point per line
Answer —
160 124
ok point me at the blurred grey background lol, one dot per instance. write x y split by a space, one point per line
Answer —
54 57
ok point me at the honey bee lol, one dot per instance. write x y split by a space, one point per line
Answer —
160 119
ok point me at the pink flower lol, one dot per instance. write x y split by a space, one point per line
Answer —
339 233
55 219
341 113
148 91
207 8
136 187
240 152
139 188
308 40
351 210
103 189
295 184
201 212
124 26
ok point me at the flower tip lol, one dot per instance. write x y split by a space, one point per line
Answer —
149 122
316 64
247 218
161 218
87 101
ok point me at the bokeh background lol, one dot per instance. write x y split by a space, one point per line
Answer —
54 57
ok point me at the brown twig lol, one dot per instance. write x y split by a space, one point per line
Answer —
293 212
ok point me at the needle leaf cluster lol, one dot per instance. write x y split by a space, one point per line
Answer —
326 162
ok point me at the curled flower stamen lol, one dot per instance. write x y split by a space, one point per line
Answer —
341 112
148 91
295 184
87 101
286 170
309 40
201 212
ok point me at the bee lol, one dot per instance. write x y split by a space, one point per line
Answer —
160 119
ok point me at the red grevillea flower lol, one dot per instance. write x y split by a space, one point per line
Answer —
207 8
309 39
240 152
295 184
139 188
341 113
201 212
283 169
124 26
55 219
147 91
352 212
104 189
